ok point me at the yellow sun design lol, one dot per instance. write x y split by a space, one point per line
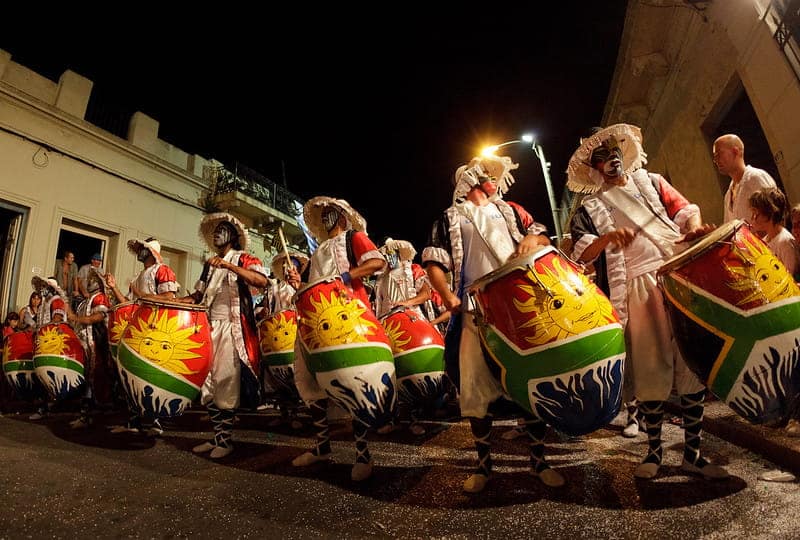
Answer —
396 334
762 274
163 343
278 334
565 304
336 321
52 342
7 352
118 330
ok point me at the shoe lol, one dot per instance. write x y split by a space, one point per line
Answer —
416 429
123 429
296 424
36 416
80 423
709 471
631 430
513 433
475 483
309 458
646 470
155 431
793 428
776 475
220 452
361 471
204 447
550 477
388 428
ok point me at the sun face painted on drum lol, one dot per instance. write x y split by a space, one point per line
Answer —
335 321
565 304
762 274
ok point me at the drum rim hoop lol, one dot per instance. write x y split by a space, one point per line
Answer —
326 279
514 264
123 304
701 245
171 305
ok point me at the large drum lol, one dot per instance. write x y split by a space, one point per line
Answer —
555 340
418 350
277 333
735 313
18 365
58 359
118 317
347 350
164 357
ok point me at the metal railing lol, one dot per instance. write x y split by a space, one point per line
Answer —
249 182
784 17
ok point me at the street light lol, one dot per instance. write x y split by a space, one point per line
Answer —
539 151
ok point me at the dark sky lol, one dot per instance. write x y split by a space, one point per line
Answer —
377 107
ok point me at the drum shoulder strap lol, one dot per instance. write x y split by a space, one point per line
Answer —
351 255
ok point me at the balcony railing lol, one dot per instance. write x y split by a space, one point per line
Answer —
783 17
244 180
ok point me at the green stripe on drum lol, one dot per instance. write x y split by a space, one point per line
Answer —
330 360
553 360
422 360
278 358
58 361
131 362
18 365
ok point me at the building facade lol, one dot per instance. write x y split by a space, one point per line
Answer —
68 184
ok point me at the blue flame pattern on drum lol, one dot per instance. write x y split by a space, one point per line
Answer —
768 387
149 404
565 401
63 384
24 384
421 388
284 376
372 407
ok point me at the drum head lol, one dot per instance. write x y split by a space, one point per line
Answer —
700 246
520 263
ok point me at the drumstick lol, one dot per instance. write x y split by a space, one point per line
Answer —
283 243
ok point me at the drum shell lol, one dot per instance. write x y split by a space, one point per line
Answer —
58 359
162 381
738 333
277 335
118 317
18 365
418 351
347 350
553 340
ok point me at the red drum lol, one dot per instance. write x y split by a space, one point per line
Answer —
347 350
18 365
418 350
59 361
556 339
735 314
118 318
164 356
277 334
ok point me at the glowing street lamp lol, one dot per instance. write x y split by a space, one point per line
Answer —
539 151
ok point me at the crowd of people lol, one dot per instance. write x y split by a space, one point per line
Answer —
628 223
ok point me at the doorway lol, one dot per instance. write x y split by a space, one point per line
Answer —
12 225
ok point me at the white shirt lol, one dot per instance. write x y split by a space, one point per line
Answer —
752 180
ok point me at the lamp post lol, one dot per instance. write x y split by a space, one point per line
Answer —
539 151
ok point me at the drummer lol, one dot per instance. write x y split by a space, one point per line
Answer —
629 223
52 310
156 281
224 287
345 250
278 296
405 285
475 236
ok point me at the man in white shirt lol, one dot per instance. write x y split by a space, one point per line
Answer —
745 180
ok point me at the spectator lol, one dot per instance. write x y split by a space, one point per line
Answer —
10 324
66 274
768 214
30 313
795 215
745 180
95 265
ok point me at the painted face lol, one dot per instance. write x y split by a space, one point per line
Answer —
224 233
142 254
330 217
393 259
607 158
489 185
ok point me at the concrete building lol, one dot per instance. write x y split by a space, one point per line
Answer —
688 71
66 183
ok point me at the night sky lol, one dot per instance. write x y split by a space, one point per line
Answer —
377 107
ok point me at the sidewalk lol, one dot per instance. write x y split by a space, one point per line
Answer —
771 443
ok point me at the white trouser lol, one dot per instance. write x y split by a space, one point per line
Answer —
223 382
478 387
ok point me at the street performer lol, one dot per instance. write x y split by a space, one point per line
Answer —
629 223
475 236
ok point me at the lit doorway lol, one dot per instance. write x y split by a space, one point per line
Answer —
12 226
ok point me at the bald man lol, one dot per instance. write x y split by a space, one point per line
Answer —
745 180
